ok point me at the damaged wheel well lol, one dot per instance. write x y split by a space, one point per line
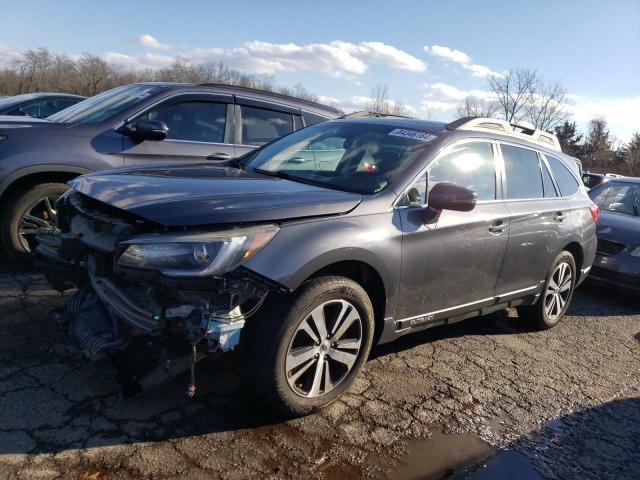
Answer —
366 276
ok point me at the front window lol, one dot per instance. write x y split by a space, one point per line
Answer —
194 121
356 157
618 197
106 105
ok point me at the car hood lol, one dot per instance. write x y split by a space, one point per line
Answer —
204 195
619 228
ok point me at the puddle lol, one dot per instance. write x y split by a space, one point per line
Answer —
506 465
443 456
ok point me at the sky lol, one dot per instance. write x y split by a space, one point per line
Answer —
429 54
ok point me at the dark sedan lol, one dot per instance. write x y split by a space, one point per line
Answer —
37 105
618 256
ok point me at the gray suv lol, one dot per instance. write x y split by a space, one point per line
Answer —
304 253
137 124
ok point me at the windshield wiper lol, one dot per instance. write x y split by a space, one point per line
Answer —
277 173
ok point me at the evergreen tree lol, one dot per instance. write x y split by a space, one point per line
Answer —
631 153
597 148
569 138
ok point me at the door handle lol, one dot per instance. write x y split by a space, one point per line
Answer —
219 156
498 227
559 216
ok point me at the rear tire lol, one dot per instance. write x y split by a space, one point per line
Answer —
29 200
556 295
298 367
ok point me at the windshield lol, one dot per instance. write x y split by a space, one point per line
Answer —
355 157
618 197
104 106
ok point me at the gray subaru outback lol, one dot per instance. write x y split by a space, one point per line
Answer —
304 253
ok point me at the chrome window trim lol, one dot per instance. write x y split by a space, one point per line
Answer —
175 140
146 108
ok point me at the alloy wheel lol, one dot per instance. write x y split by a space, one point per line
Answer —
558 291
324 348
38 218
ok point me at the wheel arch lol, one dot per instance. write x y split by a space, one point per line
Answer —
38 174
368 278
575 249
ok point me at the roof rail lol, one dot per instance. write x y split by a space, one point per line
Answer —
526 132
272 94
372 114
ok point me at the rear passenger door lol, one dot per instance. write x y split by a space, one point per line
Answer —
199 131
261 122
537 230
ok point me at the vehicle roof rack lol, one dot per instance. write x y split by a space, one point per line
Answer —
526 132
372 114
271 94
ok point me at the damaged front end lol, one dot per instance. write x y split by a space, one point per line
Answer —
170 297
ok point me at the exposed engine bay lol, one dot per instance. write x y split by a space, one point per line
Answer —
123 307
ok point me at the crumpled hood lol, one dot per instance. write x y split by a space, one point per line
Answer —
204 195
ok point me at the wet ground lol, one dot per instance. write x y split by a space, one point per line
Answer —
483 399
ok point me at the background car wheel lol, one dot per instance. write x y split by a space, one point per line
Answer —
302 353
556 294
27 213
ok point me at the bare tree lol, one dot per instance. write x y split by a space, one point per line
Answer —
93 72
473 106
514 92
548 107
380 102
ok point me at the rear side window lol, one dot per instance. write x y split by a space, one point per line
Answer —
566 181
312 118
469 165
260 126
522 168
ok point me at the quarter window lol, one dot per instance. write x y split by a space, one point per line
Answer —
260 126
469 165
312 118
193 121
522 168
566 181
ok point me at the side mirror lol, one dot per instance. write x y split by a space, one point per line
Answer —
153 130
449 196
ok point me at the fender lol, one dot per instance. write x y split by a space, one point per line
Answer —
7 181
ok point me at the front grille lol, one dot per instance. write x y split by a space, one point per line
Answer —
609 248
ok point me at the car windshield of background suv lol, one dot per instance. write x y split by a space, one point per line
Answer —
354 157
618 197
105 105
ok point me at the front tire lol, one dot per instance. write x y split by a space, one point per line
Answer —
302 353
556 294
26 213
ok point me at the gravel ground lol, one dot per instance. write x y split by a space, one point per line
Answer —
474 400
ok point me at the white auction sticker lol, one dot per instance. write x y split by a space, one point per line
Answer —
416 135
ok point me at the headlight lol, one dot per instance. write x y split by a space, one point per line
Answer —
635 252
196 254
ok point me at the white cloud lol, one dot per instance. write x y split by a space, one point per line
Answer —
151 42
337 58
445 98
7 56
622 114
462 59
129 62
448 53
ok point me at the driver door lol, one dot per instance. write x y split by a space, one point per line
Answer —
198 132
451 262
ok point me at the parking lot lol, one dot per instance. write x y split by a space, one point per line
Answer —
563 403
